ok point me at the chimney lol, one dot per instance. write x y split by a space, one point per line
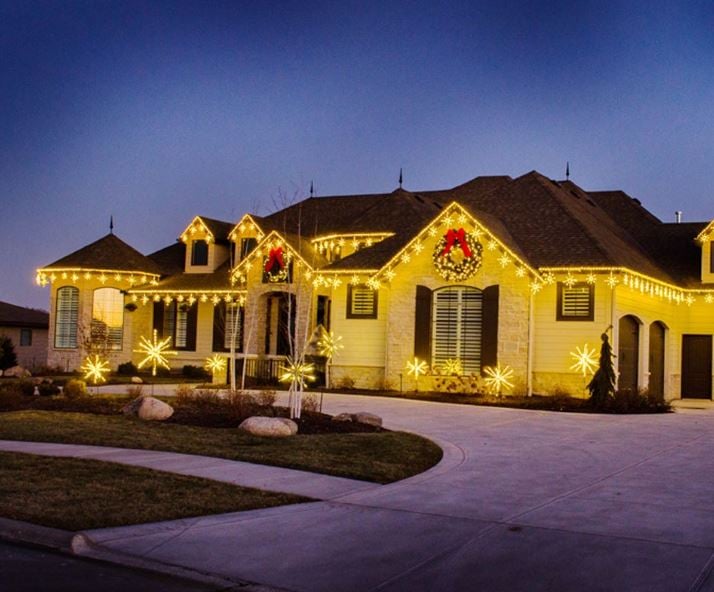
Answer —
678 216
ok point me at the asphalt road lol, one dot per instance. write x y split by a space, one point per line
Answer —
29 569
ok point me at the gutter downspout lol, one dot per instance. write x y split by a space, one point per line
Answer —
531 340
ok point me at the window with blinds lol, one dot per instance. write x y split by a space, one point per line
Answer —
361 303
576 302
232 327
107 318
457 321
66 317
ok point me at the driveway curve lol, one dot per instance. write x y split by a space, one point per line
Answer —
523 500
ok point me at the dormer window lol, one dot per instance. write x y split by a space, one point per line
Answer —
199 252
246 246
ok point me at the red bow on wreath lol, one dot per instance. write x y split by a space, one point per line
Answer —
454 236
275 256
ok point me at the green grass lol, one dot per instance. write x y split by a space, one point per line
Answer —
78 494
381 457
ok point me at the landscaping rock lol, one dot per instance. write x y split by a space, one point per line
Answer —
368 418
149 409
17 372
342 417
271 427
137 380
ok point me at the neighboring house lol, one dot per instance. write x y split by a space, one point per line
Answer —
496 272
27 329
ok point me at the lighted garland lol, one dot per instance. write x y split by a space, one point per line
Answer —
457 255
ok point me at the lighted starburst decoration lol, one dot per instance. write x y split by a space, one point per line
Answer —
297 373
95 368
155 351
417 367
498 379
586 360
452 367
329 344
215 364
612 281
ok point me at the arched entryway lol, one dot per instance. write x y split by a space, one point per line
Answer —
656 362
628 353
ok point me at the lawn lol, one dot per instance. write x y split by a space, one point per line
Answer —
78 494
380 457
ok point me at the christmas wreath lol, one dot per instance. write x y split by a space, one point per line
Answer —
457 256
277 265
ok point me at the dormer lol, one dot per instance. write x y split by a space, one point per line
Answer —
245 236
207 245
706 241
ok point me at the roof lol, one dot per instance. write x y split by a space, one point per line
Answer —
171 259
20 316
219 229
109 253
219 280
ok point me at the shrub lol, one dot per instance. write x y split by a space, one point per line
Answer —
26 387
631 401
184 394
190 371
48 389
127 369
310 403
75 388
8 359
266 398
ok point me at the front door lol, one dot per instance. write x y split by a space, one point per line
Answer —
657 359
697 366
628 353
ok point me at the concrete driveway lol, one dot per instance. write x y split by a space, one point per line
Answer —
523 500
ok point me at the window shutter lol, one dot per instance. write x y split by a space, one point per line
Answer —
159 319
191 322
711 257
219 327
489 330
422 324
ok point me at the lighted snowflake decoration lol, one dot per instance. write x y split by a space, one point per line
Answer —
709 299
536 287
504 260
611 281
498 379
417 367
155 351
215 364
452 367
95 368
297 373
586 360
570 280
590 278
520 272
329 344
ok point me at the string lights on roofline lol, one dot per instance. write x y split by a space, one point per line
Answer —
46 276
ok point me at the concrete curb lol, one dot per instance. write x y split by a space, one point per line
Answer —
81 545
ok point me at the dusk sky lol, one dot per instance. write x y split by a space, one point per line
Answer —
156 111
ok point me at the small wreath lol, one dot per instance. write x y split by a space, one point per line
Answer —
277 265
457 256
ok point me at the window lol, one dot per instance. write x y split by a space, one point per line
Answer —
711 257
227 319
199 252
322 312
361 302
66 317
246 246
575 303
107 318
457 320
25 337
178 320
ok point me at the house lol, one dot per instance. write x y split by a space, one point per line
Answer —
27 329
514 275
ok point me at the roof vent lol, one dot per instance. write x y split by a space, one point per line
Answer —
678 216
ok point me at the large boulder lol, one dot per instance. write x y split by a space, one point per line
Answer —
149 409
17 372
270 427
136 380
368 418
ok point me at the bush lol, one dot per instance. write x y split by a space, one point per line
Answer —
75 388
48 389
309 403
8 359
127 369
184 394
26 387
190 371
266 398
631 401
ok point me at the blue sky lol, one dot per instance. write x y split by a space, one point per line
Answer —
155 112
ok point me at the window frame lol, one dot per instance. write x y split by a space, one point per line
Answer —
117 345
71 323
469 299
375 303
561 316
25 337
194 256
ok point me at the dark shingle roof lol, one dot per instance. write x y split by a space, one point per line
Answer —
171 259
219 229
19 316
107 253
181 282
